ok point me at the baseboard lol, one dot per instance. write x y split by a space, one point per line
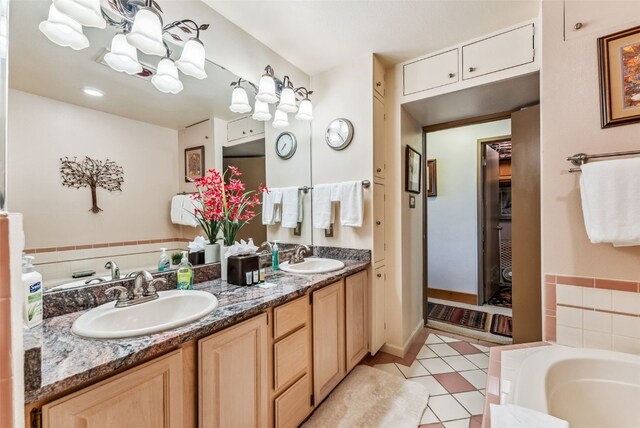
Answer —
453 296
401 351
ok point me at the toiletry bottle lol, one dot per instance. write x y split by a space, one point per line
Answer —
185 273
32 282
275 257
164 264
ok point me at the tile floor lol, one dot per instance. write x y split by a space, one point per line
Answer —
455 373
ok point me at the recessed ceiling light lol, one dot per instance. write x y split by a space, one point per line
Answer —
92 91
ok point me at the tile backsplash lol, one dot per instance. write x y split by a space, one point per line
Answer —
593 313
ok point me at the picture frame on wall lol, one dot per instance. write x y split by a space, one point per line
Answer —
619 66
432 178
193 163
413 170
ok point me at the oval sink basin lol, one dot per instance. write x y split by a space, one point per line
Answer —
313 265
171 309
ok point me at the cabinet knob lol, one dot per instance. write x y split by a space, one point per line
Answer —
577 26
378 222
244 132
378 169
251 130
378 84
451 75
472 69
379 275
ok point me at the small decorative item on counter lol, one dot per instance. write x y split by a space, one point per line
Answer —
243 264
197 250
176 258
185 273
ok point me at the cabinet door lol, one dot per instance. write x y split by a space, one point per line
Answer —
432 72
150 395
378 77
378 138
378 226
355 291
587 17
233 376
328 339
292 407
378 285
244 128
499 52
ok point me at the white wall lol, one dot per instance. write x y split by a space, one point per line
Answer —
452 216
41 131
346 92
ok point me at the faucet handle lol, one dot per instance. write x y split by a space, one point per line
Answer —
123 293
151 288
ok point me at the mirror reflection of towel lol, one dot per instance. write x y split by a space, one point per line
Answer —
291 207
351 203
271 206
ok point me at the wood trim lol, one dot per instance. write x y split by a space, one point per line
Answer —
452 296
469 121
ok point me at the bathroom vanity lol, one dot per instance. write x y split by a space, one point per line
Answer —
263 358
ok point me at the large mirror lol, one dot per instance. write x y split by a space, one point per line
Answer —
53 114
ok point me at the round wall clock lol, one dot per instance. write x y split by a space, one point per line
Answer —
339 134
286 145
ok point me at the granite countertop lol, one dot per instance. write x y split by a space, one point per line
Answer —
68 361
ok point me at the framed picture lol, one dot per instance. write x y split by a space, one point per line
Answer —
432 178
505 203
413 170
193 162
412 201
619 58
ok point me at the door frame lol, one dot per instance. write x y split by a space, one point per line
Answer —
481 217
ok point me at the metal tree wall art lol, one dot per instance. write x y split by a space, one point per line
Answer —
92 173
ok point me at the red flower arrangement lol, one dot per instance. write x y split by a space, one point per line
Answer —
226 205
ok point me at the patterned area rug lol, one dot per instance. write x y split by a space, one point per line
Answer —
502 297
501 325
459 316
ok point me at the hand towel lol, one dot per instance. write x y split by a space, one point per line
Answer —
610 203
176 208
323 211
271 206
188 210
291 207
512 416
351 203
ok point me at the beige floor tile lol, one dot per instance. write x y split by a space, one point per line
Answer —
459 363
432 385
477 378
447 408
436 366
429 417
480 360
432 338
473 401
390 368
460 423
414 370
443 350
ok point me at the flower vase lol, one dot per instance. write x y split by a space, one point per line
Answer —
223 262
212 253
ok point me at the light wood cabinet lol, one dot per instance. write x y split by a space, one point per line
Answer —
356 315
328 339
290 316
245 128
431 72
378 77
378 287
293 406
379 246
150 395
379 161
499 52
233 376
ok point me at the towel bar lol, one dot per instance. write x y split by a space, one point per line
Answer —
581 158
365 184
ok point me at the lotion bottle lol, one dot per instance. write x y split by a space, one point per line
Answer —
164 264
32 282
185 273
275 257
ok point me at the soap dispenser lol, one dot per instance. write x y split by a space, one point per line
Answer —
164 264
185 273
32 282
275 257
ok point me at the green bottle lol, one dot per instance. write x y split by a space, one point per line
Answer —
185 273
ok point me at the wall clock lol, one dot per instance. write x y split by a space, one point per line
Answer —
286 145
339 134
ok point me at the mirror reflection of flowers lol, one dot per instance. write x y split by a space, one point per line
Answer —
226 204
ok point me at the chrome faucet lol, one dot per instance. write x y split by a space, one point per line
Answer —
266 244
297 256
115 270
139 295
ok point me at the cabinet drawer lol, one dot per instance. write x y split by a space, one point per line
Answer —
431 72
292 407
290 358
499 52
290 316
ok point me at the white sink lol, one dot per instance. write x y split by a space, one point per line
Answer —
171 309
313 265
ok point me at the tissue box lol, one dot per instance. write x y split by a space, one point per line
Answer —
196 258
243 270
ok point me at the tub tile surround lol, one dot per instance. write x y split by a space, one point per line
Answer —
593 312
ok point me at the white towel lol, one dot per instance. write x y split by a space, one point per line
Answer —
610 202
512 416
176 208
351 203
291 207
271 206
324 195
182 209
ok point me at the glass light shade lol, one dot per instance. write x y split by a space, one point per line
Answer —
305 112
239 101
86 12
191 61
63 31
123 57
267 90
146 33
280 120
261 111
166 78
288 101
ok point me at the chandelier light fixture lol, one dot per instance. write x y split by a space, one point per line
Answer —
272 90
142 30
